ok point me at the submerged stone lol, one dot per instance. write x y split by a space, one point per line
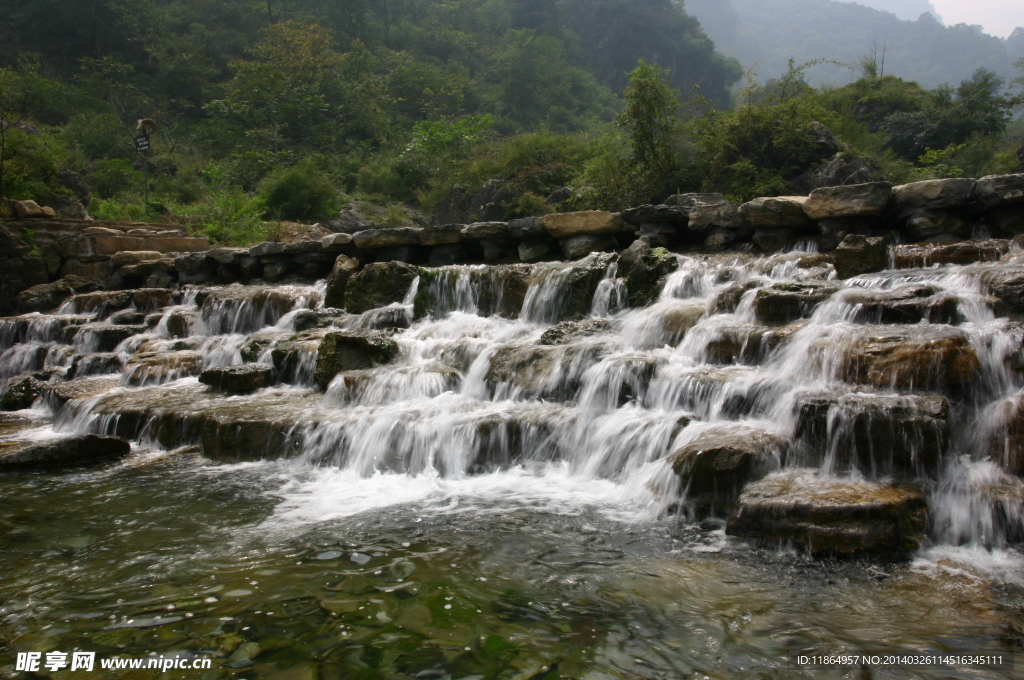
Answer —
87 449
238 379
785 302
571 331
831 516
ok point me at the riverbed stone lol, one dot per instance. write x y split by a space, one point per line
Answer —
238 379
936 226
716 465
917 255
903 305
20 393
534 248
378 285
89 449
831 516
344 269
48 296
593 222
570 331
859 254
785 302
645 270
352 350
156 367
852 200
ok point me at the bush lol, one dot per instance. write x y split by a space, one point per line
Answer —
114 177
229 217
301 192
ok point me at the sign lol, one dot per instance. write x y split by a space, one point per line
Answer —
142 143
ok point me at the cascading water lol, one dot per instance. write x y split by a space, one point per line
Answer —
495 404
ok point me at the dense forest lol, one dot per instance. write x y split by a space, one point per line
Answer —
269 110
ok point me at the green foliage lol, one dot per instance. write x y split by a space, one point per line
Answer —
301 192
229 217
109 178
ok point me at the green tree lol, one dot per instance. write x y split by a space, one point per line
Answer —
23 94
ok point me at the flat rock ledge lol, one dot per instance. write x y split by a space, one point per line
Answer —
89 449
831 516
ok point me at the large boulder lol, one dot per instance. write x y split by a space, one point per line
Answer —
827 516
485 230
442 234
714 212
378 285
351 351
936 226
74 183
856 200
880 435
776 212
716 464
786 302
344 269
238 379
859 254
581 245
89 449
386 238
48 296
999 190
1006 282
564 225
32 210
645 270
21 270
933 194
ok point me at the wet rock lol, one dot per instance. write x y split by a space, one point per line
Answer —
568 332
259 342
824 515
854 200
903 305
747 344
541 370
936 226
386 238
578 247
20 393
998 190
308 319
645 269
777 212
59 393
772 240
102 303
124 257
534 248
786 302
965 252
714 215
485 230
443 234
378 285
87 449
1006 282
103 338
880 435
128 317
48 296
157 367
344 269
99 363
932 194
181 322
243 656
721 460
352 350
238 379
659 214
526 228
901 357
574 292
859 254
1003 434
728 299
336 242
593 222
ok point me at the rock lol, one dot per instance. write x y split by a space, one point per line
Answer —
1006 220
352 350
195 267
785 302
931 225
932 194
718 239
344 268
485 230
822 515
772 240
747 343
656 214
160 279
378 285
103 231
350 220
265 249
778 212
451 253
534 248
1006 282
275 271
571 296
102 303
158 367
918 255
67 208
592 222
20 393
386 238
577 247
859 254
904 305
180 323
128 317
728 299
238 379
1003 433
497 290
848 201
721 460
880 435
901 357
227 255
32 210
707 216
135 257
840 170
998 190
498 250
568 332
336 241
87 449
74 183
644 270
21 270
49 296
526 228
444 234
105 338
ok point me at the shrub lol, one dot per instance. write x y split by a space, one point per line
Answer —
301 192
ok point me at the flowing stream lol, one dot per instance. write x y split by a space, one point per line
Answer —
498 501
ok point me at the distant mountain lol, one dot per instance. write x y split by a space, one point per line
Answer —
765 34
904 9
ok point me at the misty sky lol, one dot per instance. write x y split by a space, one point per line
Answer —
999 17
